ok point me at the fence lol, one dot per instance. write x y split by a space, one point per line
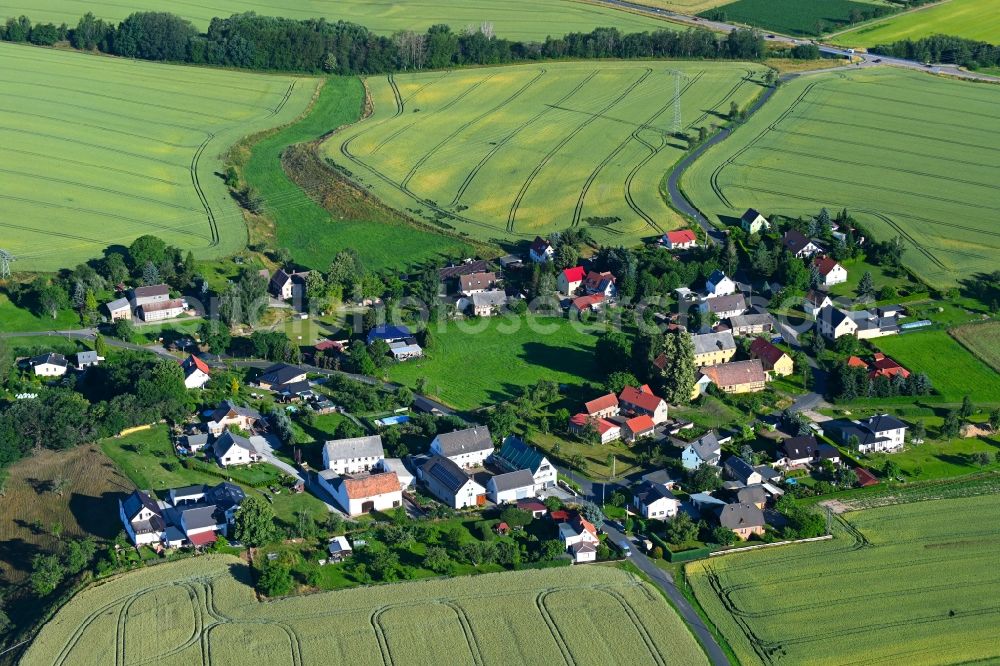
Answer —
769 545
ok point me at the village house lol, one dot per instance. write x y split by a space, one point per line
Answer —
230 415
515 454
466 448
157 293
737 469
389 333
638 427
603 407
120 308
467 267
365 493
745 520
771 357
713 348
751 324
642 401
653 500
396 465
488 303
706 450
449 483
753 222
339 549
475 283
876 434
800 245
404 350
48 365
755 495
588 303
814 301
578 535
718 284
831 271
353 455
805 450
871 325
284 285
724 307
161 310
510 487
833 323
737 377
233 450
570 280
681 239
274 377
601 283
541 251
194 514
87 359
196 372
194 443
608 431
880 366
142 518
664 477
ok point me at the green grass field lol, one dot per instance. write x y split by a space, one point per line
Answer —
906 153
983 340
471 368
506 153
98 151
953 370
512 19
972 19
911 583
305 227
793 17
203 611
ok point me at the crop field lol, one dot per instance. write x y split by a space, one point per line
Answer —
910 583
506 153
512 19
983 340
77 489
98 151
908 154
953 370
972 19
683 6
202 611
794 17
490 360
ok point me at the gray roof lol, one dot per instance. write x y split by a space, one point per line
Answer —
799 447
650 492
740 515
118 304
753 494
707 447
710 342
229 406
489 298
882 422
755 319
445 472
136 501
151 290
87 357
726 303
49 358
201 516
661 476
186 491
521 478
582 547
196 440
280 373
355 447
738 467
465 441
229 440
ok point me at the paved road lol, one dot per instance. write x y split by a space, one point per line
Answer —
666 583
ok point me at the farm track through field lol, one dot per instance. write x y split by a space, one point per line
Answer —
196 181
646 638
512 216
470 635
553 627
502 142
578 209
466 125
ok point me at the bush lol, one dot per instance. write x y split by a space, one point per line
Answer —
275 580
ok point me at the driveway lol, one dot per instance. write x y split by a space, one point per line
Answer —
266 444
666 583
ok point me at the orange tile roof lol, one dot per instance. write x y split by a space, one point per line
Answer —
640 397
600 404
681 236
640 424
371 485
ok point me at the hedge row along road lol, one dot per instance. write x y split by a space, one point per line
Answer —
98 151
506 153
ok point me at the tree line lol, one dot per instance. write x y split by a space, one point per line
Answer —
943 48
257 42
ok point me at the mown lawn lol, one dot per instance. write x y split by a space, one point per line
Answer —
952 369
18 320
936 459
482 362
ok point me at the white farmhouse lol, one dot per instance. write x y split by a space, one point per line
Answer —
466 448
353 455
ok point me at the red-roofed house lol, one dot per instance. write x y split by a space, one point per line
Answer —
559 516
773 359
865 478
607 430
642 401
855 362
571 279
328 345
638 427
606 405
196 372
589 303
831 271
880 366
600 283
680 239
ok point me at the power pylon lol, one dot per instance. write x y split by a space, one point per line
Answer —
6 259
677 101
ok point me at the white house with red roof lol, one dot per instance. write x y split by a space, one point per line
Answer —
642 400
608 430
196 372
681 239
588 303
830 270
603 407
570 280
638 427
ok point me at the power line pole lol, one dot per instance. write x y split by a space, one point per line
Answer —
6 258
677 101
